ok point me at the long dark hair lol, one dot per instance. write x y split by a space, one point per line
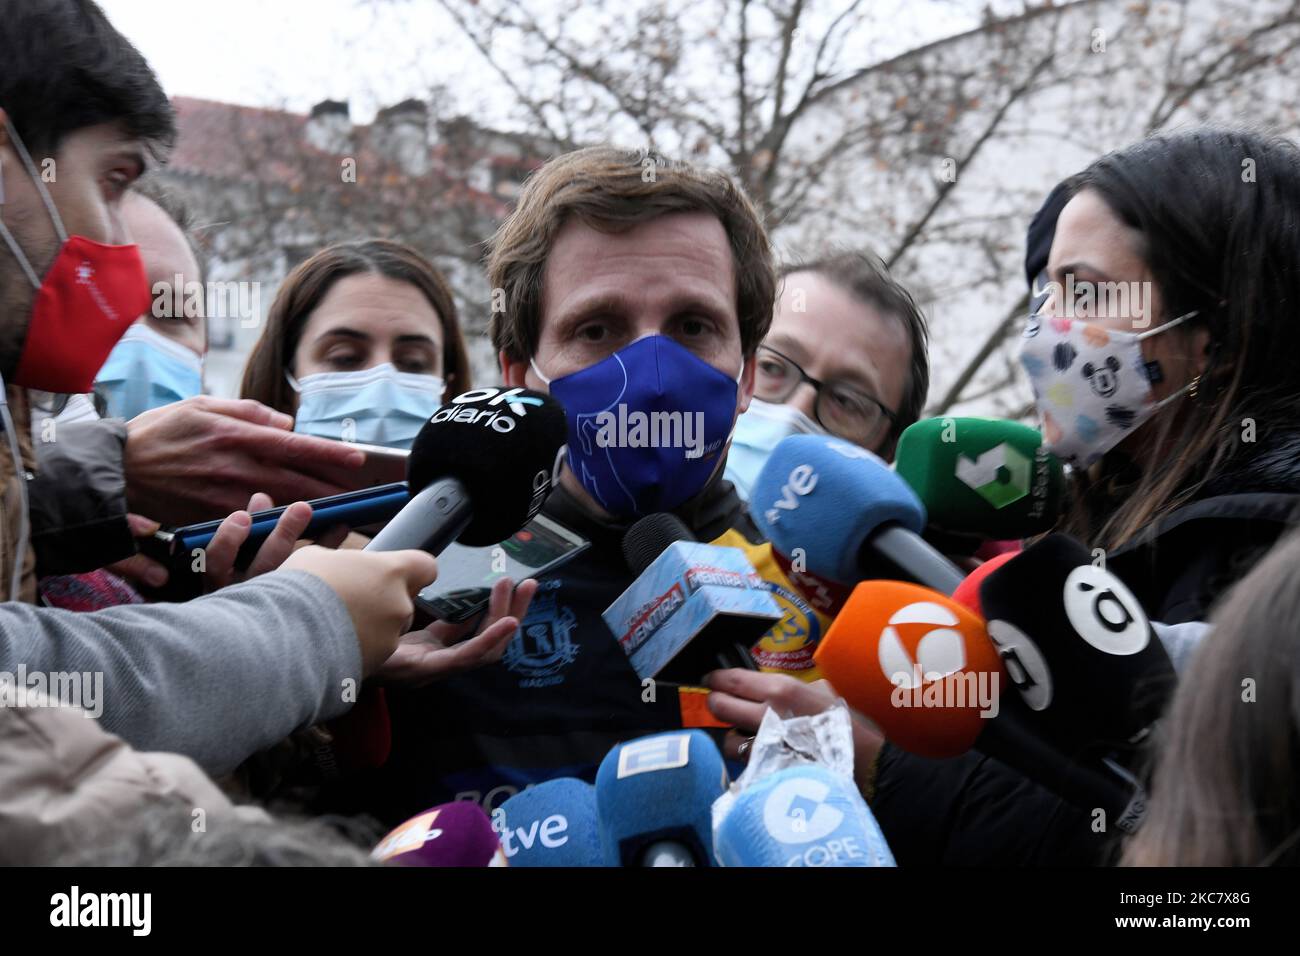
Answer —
307 285
1219 213
1226 790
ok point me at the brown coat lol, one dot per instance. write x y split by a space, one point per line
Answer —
11 501
65 783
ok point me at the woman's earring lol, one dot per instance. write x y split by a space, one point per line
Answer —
1195 387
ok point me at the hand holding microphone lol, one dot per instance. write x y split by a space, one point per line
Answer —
742 697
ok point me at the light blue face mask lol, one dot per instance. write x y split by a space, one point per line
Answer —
758 431
147 370
375 406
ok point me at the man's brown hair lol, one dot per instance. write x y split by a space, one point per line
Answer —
613 190
866 277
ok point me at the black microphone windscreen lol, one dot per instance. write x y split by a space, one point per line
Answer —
648 538
1077 644
502 444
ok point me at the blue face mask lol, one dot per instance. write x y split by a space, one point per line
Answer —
147 370
646 425
375 406
758 431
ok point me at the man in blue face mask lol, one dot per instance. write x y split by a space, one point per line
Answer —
637 293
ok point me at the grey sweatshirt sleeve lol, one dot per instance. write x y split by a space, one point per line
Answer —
217 678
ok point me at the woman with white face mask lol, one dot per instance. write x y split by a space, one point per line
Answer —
1165 360
361 344
1176 403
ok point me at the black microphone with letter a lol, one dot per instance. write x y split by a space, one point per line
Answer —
1078 647
479 470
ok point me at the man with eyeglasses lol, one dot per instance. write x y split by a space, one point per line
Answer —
846 355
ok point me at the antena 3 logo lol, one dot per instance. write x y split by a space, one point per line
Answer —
495 408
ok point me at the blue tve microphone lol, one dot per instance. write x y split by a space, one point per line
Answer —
801 816
551 824
654 796
837 511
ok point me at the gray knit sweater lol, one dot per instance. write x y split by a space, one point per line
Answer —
217 678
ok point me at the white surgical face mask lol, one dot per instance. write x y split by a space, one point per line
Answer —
758 431
145 370
1092 385
375 406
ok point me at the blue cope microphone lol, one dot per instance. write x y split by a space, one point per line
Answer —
654 796
841 510
551 824
801 816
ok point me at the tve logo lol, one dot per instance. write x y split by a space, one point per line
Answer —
795 811
801 481
666 752
550 833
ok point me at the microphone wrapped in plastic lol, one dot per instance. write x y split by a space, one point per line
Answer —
796 804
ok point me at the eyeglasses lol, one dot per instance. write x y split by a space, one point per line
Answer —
842 409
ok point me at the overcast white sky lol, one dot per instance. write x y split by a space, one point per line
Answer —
297 52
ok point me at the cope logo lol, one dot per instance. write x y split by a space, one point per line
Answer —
796 811
939 652
1104 612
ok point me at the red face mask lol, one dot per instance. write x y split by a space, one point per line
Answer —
86 302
